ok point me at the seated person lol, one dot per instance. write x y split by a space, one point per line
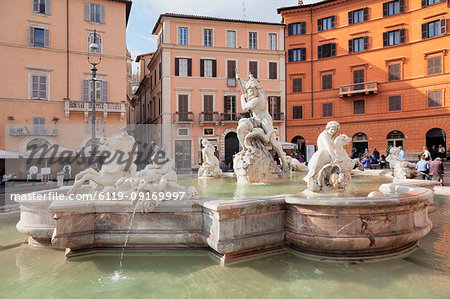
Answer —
423 166
223 166
382 161
366 162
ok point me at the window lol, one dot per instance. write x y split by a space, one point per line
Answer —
326 23
273 70
208 107
183 104
229 108
42 6
253 68
94 12
38 125
431 2
99 125
231 72
434 28
160 70
434 65
358 77
39 87
297 112
231 39
182 36
393 7
183 67
208 37
98 40
435 98
297 28
101 90
327 50
394 72
358 44
39 37
272 41
358 16
208 68
297 55
274 107
327 110
395 103
394 37
252 40
327 82
297 85
359 107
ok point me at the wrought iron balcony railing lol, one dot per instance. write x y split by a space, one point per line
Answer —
30 130
183 117
209 117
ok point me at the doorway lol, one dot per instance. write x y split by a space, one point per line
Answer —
231 147
183 156
301 145
360 143
395 138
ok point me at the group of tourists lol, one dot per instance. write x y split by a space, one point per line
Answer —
430 163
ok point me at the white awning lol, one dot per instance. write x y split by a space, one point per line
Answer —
9 154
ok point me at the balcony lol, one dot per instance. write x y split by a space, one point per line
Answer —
30 130
183 117
278 117
232 117
209 117
358 88
86 107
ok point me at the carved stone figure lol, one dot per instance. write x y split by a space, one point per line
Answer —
296 165
210 166
254 164
401 169
330 166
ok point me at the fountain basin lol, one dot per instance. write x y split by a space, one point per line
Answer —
355 228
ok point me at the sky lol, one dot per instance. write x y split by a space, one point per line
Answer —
145 13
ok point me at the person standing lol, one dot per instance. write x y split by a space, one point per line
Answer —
376 154
437 169
441 152
426 153
423 166
433 152
402 153
366 161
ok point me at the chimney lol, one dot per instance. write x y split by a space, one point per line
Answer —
300 2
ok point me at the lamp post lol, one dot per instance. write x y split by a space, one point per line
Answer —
94 48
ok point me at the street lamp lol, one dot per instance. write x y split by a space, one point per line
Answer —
94 48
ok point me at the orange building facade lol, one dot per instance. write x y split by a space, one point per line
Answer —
189 92
379 68
45 82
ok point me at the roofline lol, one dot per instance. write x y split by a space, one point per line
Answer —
209 18
303 6
128 4
138 57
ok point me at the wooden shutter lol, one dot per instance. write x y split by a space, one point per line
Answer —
402 6
253 68
35 5
350 17
225 104
290 56
277 108
46 38
202 68
104 91
424 31
385 39
34 86
319 25
366 43
87 15
302 27
297 85
443 26
85 90
385 9
214 68
42 87
48 7
333 49
319 52
189 65
290 31
350 46
32 36
333 21
182 103
272 70
102 14
231 69
177 66
424 3
402 36
366 14
303 52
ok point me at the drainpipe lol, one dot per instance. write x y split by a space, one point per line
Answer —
67 49
312 76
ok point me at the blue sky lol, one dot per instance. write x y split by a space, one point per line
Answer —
144 14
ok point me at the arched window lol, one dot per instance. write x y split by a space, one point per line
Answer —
301 144
99 42
435 137
360 143
395 138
